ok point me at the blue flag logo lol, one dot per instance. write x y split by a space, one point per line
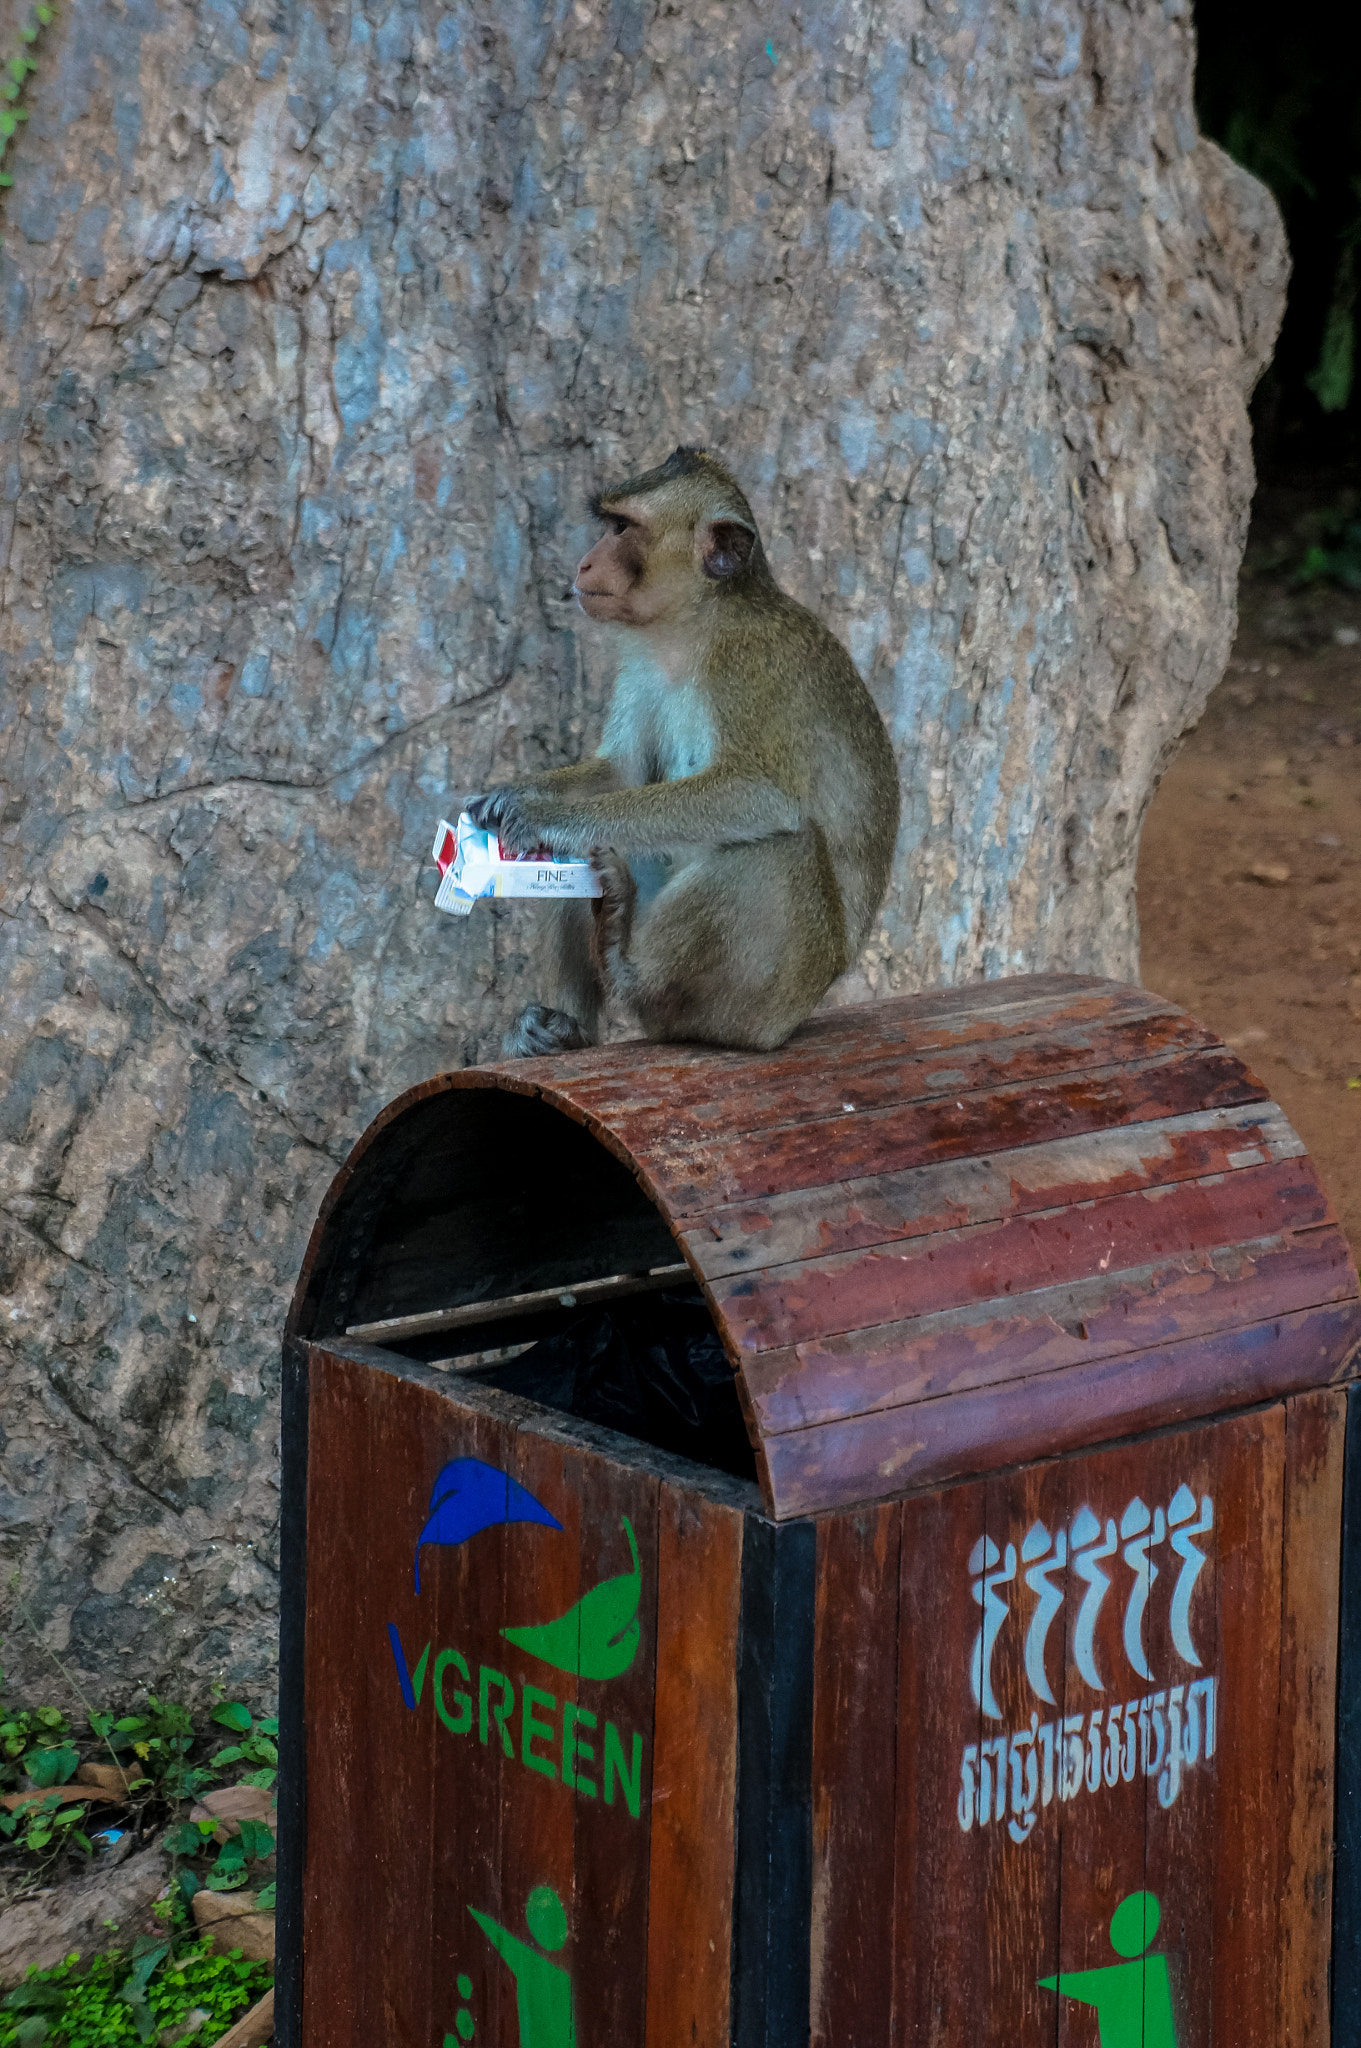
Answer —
469 1495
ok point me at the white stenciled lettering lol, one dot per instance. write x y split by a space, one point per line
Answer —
994 1570
1169 1779
1200 1695
1043 1562
1087 1550
1111 1769
1071 1757
994 1753
1182 1528
1047 1763
1161 1735
967 1806
1094 1751
1134 1525
1025 1781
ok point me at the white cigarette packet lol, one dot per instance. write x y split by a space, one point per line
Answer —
473 863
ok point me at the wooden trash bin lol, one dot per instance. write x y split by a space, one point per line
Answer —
988 1696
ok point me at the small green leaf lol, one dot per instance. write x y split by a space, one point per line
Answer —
256 1840
231 1714
265 1900
55 1766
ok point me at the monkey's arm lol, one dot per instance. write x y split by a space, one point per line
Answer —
583 778
713 808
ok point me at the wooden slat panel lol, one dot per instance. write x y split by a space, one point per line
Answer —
1314 1441
993 1343
1018 1256
886 1208
1002 1881
544 1577
338 1742
868 1457
855 1741
689 1948
802 1083
611 1917
939 1928
1019 1883
396 1841
1249 1519
697 1177
461 1607
635 1073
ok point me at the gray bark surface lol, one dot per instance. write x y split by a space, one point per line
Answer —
318 328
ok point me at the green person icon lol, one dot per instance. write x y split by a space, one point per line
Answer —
543 1989
1133 2000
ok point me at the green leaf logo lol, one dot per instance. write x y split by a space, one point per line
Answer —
598 1635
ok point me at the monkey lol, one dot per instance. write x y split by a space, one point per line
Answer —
742 810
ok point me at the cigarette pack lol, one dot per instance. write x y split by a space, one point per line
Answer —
474 863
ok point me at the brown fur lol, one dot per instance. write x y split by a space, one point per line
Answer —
743 808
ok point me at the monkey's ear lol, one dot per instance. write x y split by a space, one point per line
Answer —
725 546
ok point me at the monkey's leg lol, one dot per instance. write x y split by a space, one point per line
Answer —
576 979
614 909
740 948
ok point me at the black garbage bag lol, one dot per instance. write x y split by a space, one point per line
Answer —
651 1366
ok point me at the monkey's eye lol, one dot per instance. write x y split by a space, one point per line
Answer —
620 525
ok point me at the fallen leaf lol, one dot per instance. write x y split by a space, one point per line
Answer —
1274 873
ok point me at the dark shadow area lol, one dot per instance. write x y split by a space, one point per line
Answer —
653 1368
1280 93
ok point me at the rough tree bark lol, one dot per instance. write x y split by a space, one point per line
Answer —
319 326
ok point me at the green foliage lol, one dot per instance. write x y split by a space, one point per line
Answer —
35 1746
117 2001
156 1745
44 1828
157 1749
1335 559
257 1746
24 1734
14 76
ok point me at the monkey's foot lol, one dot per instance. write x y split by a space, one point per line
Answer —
538 1029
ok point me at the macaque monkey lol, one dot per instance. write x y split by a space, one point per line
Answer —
743 806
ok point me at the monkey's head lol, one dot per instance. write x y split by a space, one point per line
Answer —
678 536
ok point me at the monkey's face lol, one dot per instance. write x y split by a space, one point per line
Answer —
633 574
658 560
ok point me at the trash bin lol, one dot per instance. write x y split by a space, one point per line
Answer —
842 1545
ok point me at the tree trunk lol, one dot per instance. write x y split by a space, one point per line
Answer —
320 328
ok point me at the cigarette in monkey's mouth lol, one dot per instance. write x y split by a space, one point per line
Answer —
474 863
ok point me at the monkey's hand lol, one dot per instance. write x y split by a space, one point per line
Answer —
510 813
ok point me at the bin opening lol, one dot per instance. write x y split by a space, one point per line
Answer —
482 1220
651 1366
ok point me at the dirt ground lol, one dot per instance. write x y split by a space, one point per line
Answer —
1250 871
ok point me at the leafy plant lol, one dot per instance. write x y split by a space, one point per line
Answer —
116 2001
1336 558
156 1744
19 67
257 1746
24 1734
